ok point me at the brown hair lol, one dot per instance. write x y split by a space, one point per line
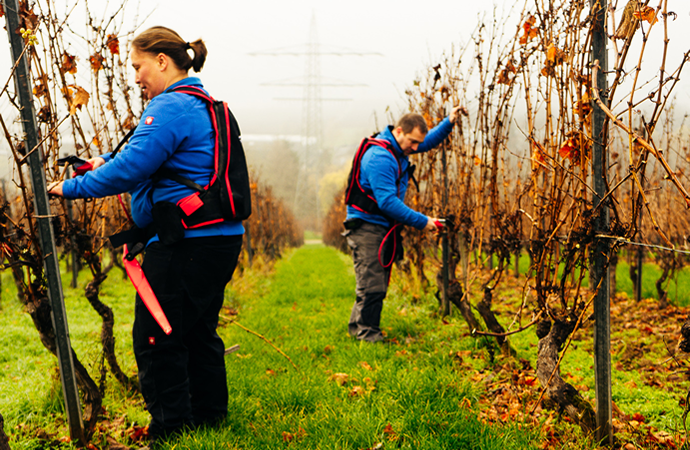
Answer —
157 40
410 121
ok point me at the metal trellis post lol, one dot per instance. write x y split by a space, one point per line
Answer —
600 273
43 219
445 303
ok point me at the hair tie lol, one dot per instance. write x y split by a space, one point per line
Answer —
187 46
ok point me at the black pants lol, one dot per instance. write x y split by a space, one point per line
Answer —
182 375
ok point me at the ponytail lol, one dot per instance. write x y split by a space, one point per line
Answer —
159 39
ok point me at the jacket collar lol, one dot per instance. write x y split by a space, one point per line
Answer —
387 134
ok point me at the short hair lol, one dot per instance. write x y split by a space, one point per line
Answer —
157 40
410 121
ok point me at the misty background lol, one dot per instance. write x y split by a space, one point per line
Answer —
308 79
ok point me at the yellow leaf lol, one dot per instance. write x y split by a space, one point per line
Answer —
646 13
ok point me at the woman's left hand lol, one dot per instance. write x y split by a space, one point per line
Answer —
55 189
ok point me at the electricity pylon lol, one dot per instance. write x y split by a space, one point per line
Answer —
312 100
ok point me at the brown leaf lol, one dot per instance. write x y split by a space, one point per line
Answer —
357 391
647 14
76 97
69 63
530 31
365 365
390 433
628 24
340 378
113 44
96 62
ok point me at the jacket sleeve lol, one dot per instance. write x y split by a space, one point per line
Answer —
435 136
150 146
381 171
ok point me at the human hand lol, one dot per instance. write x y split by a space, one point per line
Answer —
55 189
455 114
432 225
96 162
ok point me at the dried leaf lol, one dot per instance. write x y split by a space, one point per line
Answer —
365 365
584 106
538 156
390 433
69 64
530 31
554 56
77 97
628 25
96 62
503 77
113 44
357 391
340 378
647 14
569 150
39 89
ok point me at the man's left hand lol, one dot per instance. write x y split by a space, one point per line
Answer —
455 114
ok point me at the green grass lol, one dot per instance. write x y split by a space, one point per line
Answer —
407 393
677 287
413 389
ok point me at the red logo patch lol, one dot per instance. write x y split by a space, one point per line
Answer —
152 340
149 120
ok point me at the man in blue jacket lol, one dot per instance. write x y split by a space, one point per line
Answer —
375 203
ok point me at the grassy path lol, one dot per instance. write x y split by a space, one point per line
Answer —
346 394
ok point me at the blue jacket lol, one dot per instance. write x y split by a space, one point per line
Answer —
175 131
378 173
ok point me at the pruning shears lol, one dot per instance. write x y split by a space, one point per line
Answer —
80 166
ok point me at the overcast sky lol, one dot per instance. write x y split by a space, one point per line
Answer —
404 37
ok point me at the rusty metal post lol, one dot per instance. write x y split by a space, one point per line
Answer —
43 219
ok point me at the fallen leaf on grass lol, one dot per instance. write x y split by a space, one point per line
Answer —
340 378
365 365
137 433
638 417
114 445
270 372
390 433
288 437
357 391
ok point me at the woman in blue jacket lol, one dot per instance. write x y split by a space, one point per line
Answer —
181 375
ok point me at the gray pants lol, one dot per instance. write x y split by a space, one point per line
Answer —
372 281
